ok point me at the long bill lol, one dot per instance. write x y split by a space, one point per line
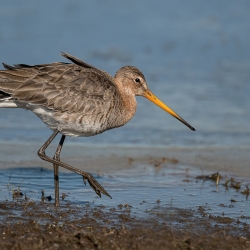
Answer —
151 97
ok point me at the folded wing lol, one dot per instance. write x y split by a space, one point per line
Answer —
63 87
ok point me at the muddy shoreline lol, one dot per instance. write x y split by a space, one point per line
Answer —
35 225
158 202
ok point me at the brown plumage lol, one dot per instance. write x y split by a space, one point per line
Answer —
75 99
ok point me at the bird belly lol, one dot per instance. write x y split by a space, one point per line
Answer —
68 124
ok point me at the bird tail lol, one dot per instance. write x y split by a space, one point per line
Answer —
10 79
6 100
4 95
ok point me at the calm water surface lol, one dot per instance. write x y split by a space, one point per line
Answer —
195 56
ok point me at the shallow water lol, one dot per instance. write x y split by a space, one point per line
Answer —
143 192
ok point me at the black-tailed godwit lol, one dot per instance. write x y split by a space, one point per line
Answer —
75 99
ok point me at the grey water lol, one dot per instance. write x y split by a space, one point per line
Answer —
195 56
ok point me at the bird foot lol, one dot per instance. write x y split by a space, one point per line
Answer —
95 185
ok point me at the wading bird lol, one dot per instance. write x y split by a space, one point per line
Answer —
75 99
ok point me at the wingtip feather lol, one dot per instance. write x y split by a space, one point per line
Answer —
6 66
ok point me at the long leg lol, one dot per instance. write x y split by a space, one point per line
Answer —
56 173
86 176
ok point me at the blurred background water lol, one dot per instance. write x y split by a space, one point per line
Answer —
195 56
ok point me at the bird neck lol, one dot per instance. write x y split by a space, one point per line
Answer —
128 104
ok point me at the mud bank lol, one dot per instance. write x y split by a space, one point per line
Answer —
35 225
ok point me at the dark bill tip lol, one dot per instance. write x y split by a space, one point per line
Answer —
184 122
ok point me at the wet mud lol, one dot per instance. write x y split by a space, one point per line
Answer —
162 205
39 225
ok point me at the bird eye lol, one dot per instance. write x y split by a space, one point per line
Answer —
137 80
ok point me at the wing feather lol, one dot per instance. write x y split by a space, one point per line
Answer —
72 88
